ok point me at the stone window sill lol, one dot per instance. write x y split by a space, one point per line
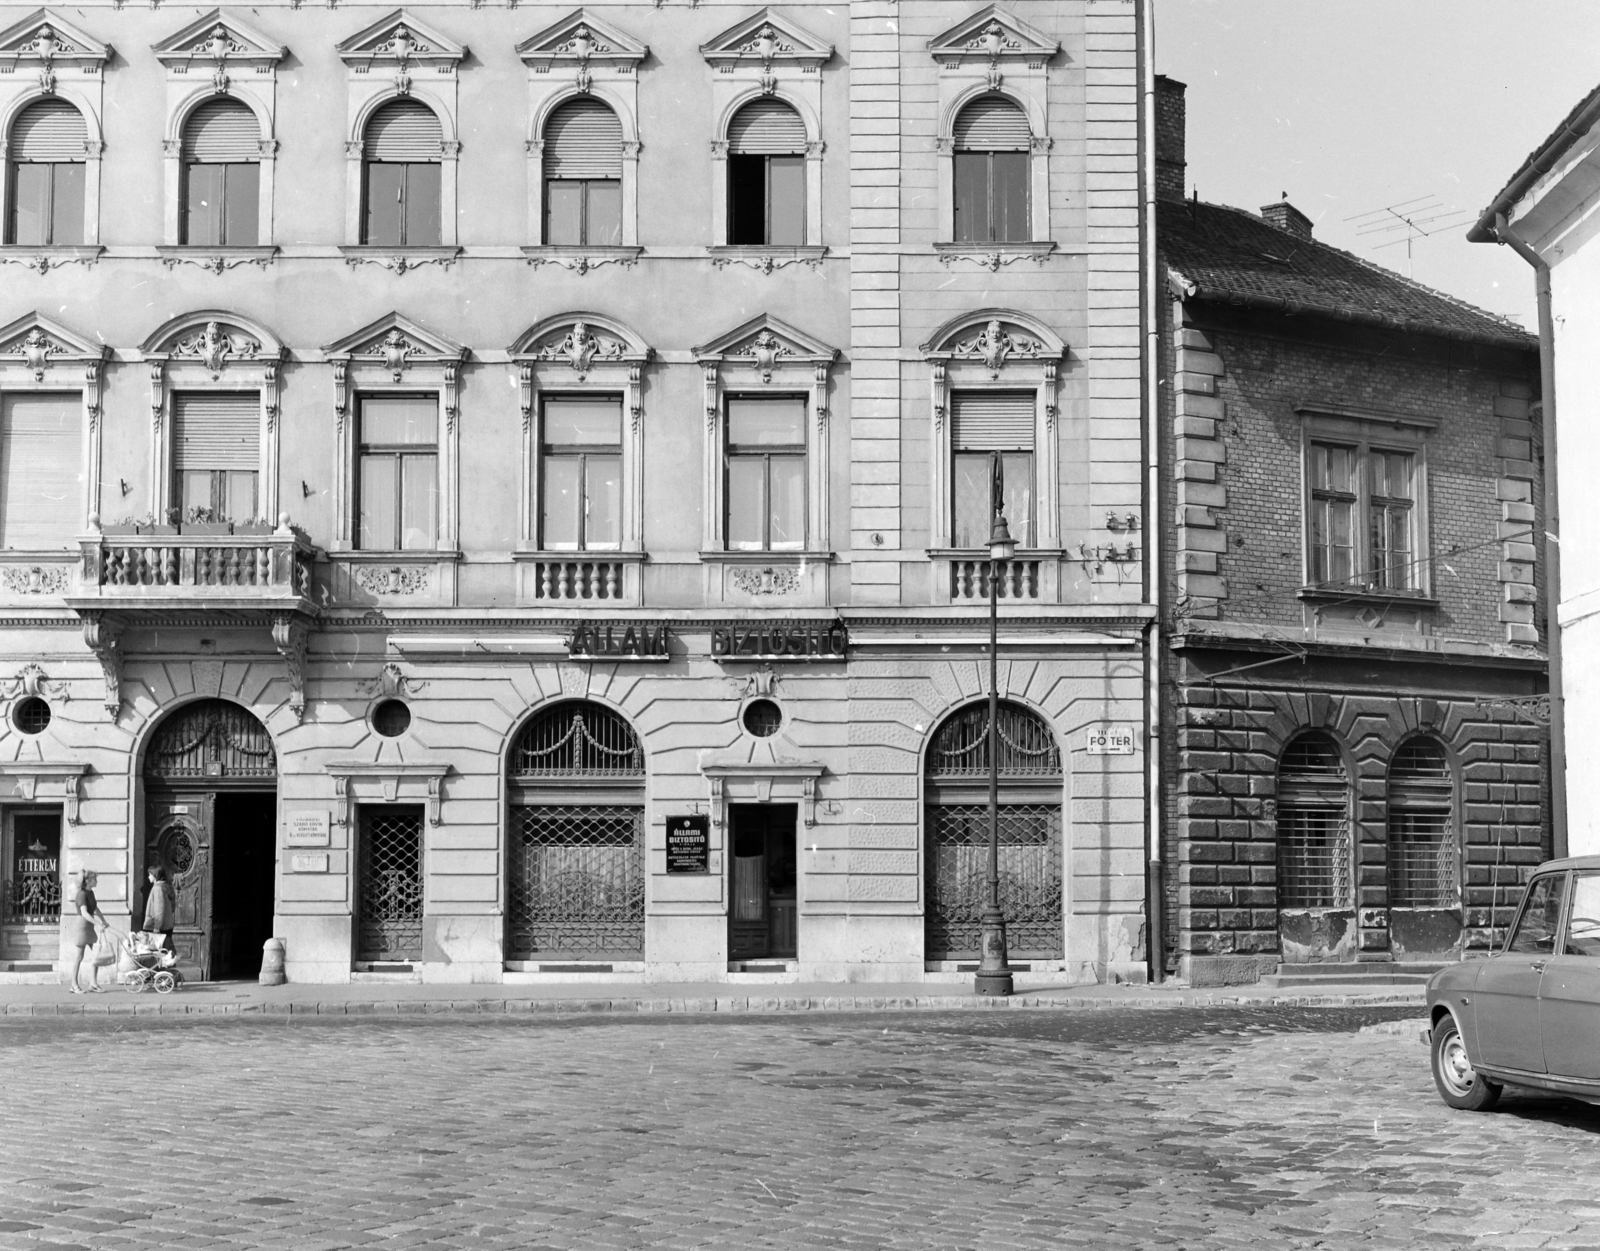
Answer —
1354 595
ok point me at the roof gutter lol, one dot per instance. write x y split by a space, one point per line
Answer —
1502 233
1577 125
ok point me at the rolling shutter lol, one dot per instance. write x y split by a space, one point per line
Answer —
583 139
766 128
222 130
404 131
216 430
40 452
992 124
51 130
983 421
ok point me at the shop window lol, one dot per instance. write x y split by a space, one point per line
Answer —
985 424
41 497
1422 840
216 454
221 189
992 172
767 175
1363 526
31 892
1028 762
766 473
576 775
583 176
1314 847
48 175
402 176
580 465
397 473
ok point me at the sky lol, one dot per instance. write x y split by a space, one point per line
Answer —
1354 106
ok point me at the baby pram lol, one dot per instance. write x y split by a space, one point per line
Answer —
153 965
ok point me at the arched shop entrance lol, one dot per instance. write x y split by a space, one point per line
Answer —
211 780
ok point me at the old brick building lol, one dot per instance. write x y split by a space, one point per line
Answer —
1353 734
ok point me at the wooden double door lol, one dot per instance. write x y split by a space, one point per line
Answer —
763 896
218 848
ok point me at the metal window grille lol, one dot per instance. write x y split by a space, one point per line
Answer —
1423 859
961 746
577 881
33 898
1030 879
1313 857
577 739
389 905
32 715
212 738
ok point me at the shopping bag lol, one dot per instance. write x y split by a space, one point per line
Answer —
104 951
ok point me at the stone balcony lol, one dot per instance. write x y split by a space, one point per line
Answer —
195 566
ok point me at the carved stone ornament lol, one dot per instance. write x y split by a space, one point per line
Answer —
37 349
214 348
393 580
580 347
290 636
768 580
389 683
32 682
994 345
765 349
35 579
393 350
103 637
762 684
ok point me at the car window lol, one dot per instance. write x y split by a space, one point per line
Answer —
1583 926
1536 929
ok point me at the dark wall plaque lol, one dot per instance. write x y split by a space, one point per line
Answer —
689 844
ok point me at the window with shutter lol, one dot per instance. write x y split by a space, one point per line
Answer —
40 470
985 425
216 454
402 178
221 175
767 175
47 175
992 142
583 175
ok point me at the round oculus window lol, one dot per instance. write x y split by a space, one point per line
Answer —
31 716
391 718
762 718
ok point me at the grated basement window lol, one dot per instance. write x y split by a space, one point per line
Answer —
1423 854
1315 856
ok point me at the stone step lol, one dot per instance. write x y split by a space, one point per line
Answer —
1363 973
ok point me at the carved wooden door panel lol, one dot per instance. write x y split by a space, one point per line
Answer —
179 838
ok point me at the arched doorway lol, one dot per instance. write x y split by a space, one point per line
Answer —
957 838
576 777
211 777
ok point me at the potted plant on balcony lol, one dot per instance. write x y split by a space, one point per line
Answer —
167 526
256 525
126 526
202 520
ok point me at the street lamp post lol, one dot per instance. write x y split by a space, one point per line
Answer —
994 971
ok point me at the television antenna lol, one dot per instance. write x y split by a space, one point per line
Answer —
1408 221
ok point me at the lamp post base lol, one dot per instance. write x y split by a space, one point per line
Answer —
994 971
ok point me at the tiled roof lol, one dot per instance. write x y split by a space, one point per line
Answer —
1230 256
1540 161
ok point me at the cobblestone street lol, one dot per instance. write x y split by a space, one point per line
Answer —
1184 1129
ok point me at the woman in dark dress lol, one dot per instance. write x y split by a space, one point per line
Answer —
83 929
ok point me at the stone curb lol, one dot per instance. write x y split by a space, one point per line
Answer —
175 1007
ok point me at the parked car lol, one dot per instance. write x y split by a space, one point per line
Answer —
1530 1015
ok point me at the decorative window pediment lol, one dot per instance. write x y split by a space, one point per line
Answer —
579 44
581 356
218 45
43 44
764 347
397 43
35 348
396 356
765 40
992 39
212 351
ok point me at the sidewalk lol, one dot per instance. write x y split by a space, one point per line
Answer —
209 999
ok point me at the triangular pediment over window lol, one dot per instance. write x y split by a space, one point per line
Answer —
764 37
581 38
400 37
39 343
44 37
396 342
992 35
767 338
219 37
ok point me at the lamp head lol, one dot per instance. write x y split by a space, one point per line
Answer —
1001 544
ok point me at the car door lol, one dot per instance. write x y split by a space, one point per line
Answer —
1569 996
1507 993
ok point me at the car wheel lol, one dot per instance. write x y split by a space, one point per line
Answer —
1460 1085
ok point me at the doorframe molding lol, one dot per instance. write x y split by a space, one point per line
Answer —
400 782
763 782
25 776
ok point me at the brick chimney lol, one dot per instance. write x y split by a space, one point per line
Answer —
1170 167
1287 218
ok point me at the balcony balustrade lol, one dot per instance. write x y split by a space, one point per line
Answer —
269 568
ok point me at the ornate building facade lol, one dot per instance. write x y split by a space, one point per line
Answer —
502 492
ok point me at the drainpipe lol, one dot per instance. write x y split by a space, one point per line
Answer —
1155 888
1552 533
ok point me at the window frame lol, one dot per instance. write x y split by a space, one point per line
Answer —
989 209
12 189
766 159
399 454
580 452
1309 792
1366 436
584 185
185 192
405 168
764 453
1412 795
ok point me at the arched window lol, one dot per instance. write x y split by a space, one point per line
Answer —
47 175
957 856
221 189
583 175
1422 842
767 175
576 778
401 176
1314 852
992 143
